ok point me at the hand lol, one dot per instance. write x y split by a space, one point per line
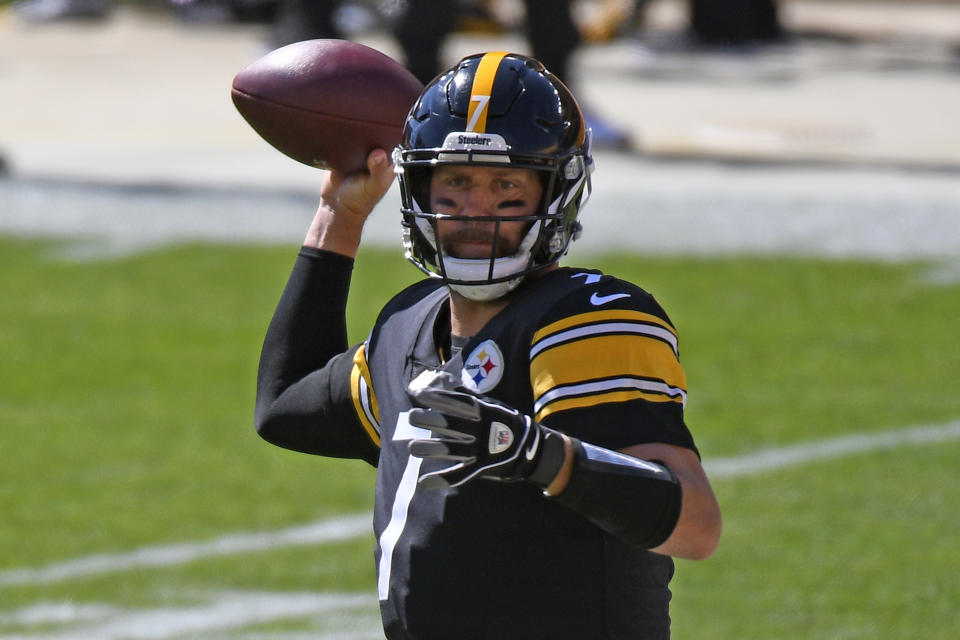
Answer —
346 200
479 437
358 193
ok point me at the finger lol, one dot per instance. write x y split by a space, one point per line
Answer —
438 449
446 380
495 405
453 403
428 448
437 424
453 437
433 481
381 174
433 378
376 159
356 194
442 449
427 419
450 476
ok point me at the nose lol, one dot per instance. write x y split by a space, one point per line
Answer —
479 202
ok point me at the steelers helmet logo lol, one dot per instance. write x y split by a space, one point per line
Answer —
483 368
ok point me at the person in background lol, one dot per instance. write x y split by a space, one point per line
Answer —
424 25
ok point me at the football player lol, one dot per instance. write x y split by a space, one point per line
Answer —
526 420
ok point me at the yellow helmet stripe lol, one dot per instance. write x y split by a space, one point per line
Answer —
481 91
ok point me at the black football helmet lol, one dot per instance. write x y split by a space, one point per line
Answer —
493 109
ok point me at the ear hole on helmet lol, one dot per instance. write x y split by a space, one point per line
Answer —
573 169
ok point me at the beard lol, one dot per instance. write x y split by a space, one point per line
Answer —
477 242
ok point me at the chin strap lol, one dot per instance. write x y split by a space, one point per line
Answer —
486 292
468 271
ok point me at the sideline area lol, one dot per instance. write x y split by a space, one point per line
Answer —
144 97
121 136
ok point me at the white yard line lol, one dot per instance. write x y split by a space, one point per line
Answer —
775 459
332 530
346 615
342 616
354 526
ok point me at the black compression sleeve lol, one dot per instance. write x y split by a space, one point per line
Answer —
309 325
636 500
302 389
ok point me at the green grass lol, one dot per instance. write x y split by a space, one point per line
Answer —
863 547
126 399
784 349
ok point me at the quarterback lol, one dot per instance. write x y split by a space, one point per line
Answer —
535 475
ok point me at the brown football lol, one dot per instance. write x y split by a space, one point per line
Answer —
326 103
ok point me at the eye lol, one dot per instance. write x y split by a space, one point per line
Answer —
450 179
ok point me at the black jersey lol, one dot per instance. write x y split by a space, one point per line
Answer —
583 353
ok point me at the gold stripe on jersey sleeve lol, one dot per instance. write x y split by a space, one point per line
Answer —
481 91
607 356
593 400
364 398
601 316
605 368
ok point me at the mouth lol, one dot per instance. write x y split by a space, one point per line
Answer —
476 243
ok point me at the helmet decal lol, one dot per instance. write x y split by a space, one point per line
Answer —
482 90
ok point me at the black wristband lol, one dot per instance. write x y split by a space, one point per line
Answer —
634 499
552 455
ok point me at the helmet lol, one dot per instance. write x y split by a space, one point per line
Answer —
494 109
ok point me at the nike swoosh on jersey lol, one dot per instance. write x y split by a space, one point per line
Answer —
597 300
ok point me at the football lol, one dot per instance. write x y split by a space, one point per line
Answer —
326 103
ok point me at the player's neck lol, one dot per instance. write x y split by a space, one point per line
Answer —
468 317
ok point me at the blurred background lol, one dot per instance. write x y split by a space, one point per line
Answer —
844 98
783 174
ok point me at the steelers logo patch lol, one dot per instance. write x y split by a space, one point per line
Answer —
483 368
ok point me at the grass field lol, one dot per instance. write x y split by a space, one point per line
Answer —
126 400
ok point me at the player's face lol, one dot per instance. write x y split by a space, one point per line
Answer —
483 193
